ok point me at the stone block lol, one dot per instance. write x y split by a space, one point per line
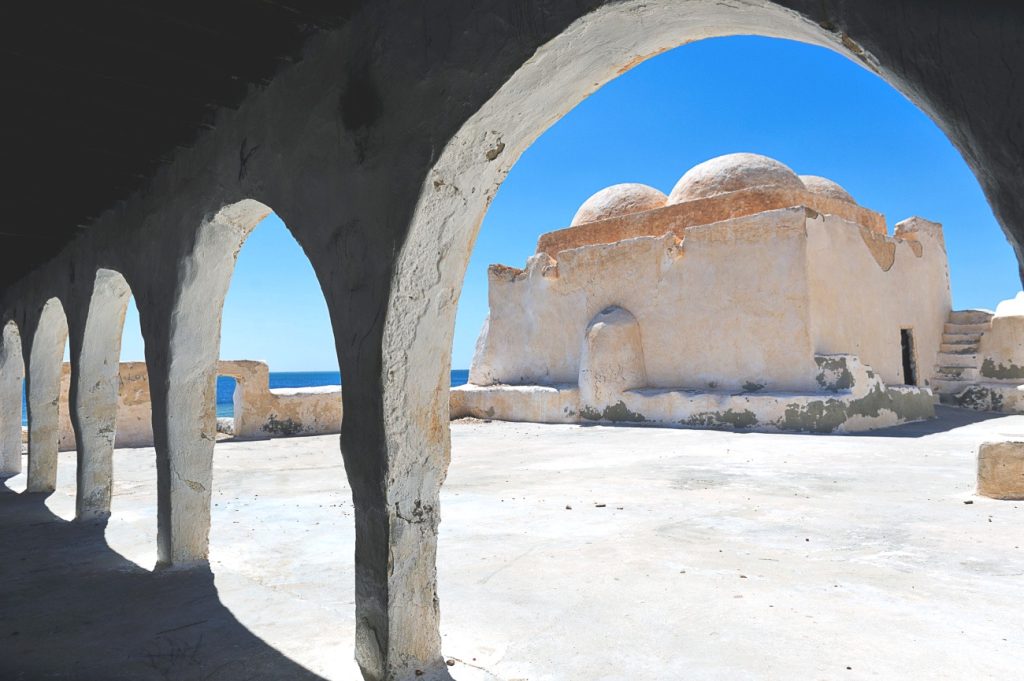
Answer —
1001 470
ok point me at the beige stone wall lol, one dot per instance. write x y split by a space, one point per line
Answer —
741 303
726 307
865 288
134 412
259 411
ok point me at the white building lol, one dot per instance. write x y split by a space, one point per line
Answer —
749 297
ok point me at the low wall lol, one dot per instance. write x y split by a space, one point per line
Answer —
852 398
134 411
260 413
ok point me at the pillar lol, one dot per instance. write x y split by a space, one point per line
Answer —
182 335
93 399
12 374
46 361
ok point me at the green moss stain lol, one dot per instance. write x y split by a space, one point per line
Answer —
819 416
833 374
990 369
980 398
825 416
285 428
718 419
617 412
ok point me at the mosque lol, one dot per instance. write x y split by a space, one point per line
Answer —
749 297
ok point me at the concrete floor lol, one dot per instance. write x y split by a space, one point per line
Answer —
567 552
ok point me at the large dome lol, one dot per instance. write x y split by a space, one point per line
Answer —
619 199
826 187
730 173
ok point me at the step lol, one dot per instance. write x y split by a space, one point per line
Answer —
970 316
956 373
980 327
959 348
950 359
961 338
944 386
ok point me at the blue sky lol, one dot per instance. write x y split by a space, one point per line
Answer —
812 109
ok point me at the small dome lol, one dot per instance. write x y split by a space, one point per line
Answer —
619 199
730 173
826 187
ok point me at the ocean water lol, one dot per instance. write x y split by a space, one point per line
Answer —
278 379
298 379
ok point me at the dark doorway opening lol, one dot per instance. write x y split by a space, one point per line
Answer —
907 345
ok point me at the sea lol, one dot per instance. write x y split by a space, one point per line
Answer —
278 379
298 379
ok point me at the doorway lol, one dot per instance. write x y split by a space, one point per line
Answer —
907 347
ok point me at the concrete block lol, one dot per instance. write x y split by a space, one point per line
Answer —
1001 470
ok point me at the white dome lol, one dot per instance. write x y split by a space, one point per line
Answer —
826 187
730 173
619 199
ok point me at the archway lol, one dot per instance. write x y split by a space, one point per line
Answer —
118 431
246 305
532 578
455 195
188 401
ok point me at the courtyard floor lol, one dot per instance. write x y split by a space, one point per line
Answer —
566 552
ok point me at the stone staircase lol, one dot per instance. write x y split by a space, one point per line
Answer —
957 362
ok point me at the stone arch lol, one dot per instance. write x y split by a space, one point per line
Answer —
184 402
184 397
12 376
94 391
455 194
42 384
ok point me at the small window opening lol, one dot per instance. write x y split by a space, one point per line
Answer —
907 345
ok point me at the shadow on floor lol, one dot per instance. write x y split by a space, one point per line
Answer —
72 608
946 419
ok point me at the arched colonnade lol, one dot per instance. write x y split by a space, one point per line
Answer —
382 149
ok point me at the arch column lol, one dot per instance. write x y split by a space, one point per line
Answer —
12 375
93 398
42 384
182 336
395 448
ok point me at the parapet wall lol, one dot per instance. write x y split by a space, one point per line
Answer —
260 413
679 217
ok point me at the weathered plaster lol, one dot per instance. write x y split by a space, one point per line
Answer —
12 374
747 301
851 398
94 390
42 387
